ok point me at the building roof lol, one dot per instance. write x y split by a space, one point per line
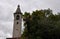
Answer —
18 10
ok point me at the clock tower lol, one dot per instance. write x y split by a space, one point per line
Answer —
17 23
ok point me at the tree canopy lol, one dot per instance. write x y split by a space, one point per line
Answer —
41 24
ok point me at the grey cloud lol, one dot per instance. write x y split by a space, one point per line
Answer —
31 5
6 29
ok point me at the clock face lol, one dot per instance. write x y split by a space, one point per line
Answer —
17 17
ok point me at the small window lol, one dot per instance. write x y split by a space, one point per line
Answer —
16 29
17 22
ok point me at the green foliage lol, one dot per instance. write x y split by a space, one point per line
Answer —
41 24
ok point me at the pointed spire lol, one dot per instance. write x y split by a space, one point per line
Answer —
18 9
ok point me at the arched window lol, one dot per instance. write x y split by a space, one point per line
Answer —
17 17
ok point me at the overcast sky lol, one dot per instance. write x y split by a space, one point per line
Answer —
8 7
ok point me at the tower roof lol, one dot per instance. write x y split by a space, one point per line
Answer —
18 9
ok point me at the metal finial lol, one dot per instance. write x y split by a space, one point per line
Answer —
18 5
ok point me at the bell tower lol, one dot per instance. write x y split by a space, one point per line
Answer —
17 23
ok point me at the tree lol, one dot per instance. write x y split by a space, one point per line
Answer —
41 24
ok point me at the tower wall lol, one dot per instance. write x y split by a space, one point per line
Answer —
17 23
